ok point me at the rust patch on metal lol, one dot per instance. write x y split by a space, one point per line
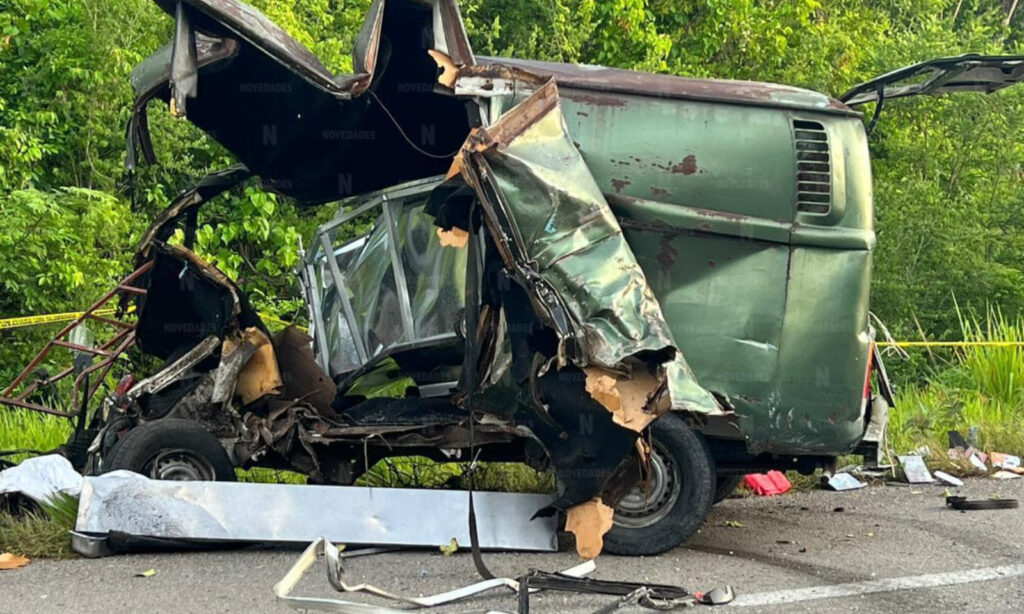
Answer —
667 252
687 167
711 264
618 184
656 191
596 100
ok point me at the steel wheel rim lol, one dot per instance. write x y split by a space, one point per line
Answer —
180 465
649 503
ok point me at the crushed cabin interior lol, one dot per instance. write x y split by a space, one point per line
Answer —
581 268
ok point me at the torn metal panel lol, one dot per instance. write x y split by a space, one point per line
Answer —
187 202
555 232
307 132
285 513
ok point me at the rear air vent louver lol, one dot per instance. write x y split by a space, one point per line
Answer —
813 167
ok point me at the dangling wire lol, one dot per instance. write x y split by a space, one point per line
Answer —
398 126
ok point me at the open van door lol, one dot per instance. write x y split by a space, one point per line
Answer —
965 73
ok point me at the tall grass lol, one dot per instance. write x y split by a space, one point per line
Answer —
21 429
983 387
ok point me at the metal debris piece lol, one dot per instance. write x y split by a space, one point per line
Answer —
332 559
844 481
651 596
915 470
128 503
948 479
1002 474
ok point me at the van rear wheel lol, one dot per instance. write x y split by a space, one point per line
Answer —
670 507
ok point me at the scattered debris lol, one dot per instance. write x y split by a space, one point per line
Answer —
948 479
844 481
1004 461
963 504
716 596
450 548
735 524
149 573
126 503
767 484
332 559
10 560
1002 474
915 470
839 509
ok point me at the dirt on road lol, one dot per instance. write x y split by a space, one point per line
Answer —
881 549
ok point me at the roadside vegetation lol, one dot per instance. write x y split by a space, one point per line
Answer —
949 189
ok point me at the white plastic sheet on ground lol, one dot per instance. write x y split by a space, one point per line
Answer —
41 478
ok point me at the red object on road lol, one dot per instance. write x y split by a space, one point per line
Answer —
767 484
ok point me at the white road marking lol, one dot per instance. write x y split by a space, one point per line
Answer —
832 591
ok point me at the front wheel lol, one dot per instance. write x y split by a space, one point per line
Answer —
662 513
171 449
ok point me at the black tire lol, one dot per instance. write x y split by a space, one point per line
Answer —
171 449
661 522
726 486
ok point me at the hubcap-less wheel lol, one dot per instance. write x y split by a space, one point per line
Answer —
180 465
649 502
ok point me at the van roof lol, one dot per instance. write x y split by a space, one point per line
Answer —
617 80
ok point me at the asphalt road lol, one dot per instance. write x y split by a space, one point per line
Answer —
890 548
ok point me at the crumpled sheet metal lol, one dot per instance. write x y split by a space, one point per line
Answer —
129 503
571 239
332 558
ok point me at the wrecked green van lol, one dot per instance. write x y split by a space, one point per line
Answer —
650 284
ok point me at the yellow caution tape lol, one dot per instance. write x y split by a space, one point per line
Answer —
6 323
71 315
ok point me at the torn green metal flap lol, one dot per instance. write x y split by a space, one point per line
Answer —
557 225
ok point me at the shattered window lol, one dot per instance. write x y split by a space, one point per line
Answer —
388 307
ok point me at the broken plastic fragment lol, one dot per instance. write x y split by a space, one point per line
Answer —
449 71
456 237
627 399
9 560
589 521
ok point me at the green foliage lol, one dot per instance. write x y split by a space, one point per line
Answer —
41 532
29 430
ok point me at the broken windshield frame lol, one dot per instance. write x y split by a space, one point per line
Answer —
380 294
